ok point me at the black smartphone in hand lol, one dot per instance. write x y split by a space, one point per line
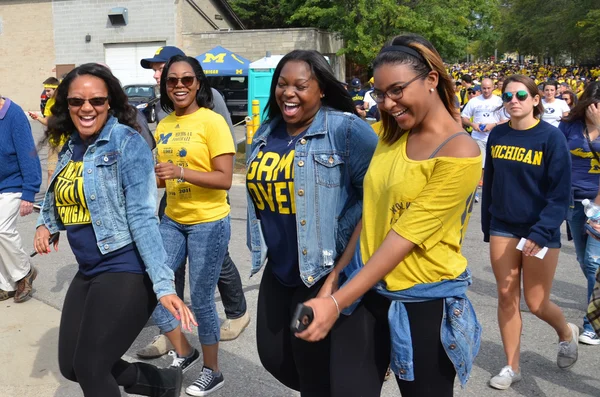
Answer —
51 240
302 318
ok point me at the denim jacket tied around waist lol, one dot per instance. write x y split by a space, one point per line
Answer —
330 163
119 185
460 332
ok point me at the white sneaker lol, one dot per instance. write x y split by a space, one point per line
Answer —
505 378
589 338
568 350
159 346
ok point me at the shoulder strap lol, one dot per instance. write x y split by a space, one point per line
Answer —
451 137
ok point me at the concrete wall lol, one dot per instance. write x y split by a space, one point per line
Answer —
149 20
26 50
253 44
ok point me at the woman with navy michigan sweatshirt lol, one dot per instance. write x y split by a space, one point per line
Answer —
526 194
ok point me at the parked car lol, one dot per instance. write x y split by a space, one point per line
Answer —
235 92
145 97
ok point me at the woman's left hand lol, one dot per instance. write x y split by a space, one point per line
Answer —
325 315
531 248
179 310
167 171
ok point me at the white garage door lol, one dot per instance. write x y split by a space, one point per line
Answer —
124 61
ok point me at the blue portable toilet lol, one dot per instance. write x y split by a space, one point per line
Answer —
260 74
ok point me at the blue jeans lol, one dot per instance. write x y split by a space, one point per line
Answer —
229 285
205 245
588 252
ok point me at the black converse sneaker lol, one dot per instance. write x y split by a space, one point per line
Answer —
184 363
207 383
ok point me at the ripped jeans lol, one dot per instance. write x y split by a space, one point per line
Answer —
588 253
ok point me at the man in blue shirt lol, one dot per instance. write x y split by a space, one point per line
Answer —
20 179
358 96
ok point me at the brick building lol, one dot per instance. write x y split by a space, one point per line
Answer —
42 38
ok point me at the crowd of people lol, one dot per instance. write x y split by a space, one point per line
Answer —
359 225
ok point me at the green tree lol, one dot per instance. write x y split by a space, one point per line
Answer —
365 25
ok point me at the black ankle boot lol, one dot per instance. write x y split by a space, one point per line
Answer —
156 382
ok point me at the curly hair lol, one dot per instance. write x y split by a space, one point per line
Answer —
60 124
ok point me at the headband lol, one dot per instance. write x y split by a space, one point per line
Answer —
55 86
404 49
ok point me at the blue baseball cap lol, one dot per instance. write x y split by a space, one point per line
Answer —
162 55
355 82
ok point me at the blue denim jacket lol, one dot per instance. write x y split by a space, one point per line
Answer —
329 166
120 191
460 330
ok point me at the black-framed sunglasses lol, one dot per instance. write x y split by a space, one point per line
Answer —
187 81
95 102
395 92
521 96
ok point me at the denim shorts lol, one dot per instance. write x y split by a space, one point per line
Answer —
502 233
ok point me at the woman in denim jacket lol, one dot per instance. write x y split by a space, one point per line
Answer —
103 193
419 191
304 181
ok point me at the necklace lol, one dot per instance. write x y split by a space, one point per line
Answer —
294 138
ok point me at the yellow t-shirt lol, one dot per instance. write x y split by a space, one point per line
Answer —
497 92
192 141
49 104
427 202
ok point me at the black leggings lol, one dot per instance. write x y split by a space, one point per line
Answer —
352 361
101 317
434 372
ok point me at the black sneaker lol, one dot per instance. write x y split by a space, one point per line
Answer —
184 363
207 383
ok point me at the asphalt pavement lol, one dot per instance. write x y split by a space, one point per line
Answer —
29 331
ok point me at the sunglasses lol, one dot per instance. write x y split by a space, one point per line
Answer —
187 81
508 96
78 102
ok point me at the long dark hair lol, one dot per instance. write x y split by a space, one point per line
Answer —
335 95
60 124
531 88
204 97
429 60
590 95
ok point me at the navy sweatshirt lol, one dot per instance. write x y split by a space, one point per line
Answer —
527 182
20 170
586 168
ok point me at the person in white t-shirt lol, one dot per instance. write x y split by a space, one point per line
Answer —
554 108
483 113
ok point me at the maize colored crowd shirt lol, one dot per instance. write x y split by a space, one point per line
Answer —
270 182
427 202
192 141
73 211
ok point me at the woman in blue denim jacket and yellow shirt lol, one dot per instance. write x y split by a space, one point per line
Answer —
195 164
103 193
304 181
419 191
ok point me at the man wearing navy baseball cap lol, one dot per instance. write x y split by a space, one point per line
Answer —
358 96
230 283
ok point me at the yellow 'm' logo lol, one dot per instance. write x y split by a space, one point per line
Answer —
219 58
158 51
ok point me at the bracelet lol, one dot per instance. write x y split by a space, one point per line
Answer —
181 179
337 306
